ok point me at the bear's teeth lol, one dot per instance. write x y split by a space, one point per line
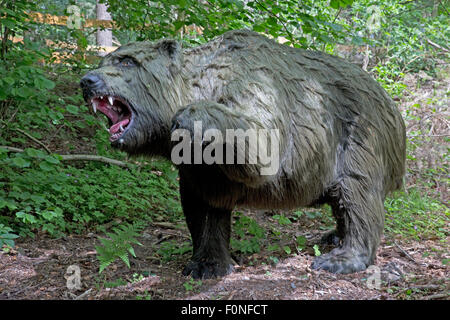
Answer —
111 100
94 106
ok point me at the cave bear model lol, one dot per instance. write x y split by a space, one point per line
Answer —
341 139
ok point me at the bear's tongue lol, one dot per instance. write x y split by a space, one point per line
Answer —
116 127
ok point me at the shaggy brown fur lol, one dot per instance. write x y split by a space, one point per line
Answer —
342 139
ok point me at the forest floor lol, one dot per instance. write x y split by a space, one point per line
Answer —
37 270
407 268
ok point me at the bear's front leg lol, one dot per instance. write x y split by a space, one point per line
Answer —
210 230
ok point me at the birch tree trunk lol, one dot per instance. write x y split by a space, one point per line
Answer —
104 37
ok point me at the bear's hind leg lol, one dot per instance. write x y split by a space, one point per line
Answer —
359 213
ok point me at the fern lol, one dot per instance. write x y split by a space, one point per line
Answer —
119 245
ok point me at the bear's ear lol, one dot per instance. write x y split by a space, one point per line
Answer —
169 48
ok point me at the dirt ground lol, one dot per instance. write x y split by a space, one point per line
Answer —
38 269
407 269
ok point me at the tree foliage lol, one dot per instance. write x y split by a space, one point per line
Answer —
305 23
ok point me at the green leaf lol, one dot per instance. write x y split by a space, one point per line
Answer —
26 217
57 187
8 80
125 259
9 236
131 250
51 159
72 109
103 265
325 38
35 153
346 3
37 198
316 250
25 92
272 21
9 23
20 162
301 241
48 215
7 242
43 83
335 4
9 204
357 40
46 166
182 3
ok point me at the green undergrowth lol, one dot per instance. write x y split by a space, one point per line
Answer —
38 192
411 215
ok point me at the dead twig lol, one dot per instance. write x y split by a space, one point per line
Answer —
426 286
84 294
175 234
88 157
406 253
79 157
167 237
428 135
167 225
11 118
437 46
11 149
34 139
436 296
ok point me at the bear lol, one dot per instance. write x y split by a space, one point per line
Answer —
340 139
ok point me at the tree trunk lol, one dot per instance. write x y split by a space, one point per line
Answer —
104 37
435 8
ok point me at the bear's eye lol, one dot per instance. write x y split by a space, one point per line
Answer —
126 62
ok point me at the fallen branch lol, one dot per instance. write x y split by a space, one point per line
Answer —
11 149
436 296
167 225
437 46
428 135
426 286
79 157
88 157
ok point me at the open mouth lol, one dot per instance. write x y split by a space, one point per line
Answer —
118 112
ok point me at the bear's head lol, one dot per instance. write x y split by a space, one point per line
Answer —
138 88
